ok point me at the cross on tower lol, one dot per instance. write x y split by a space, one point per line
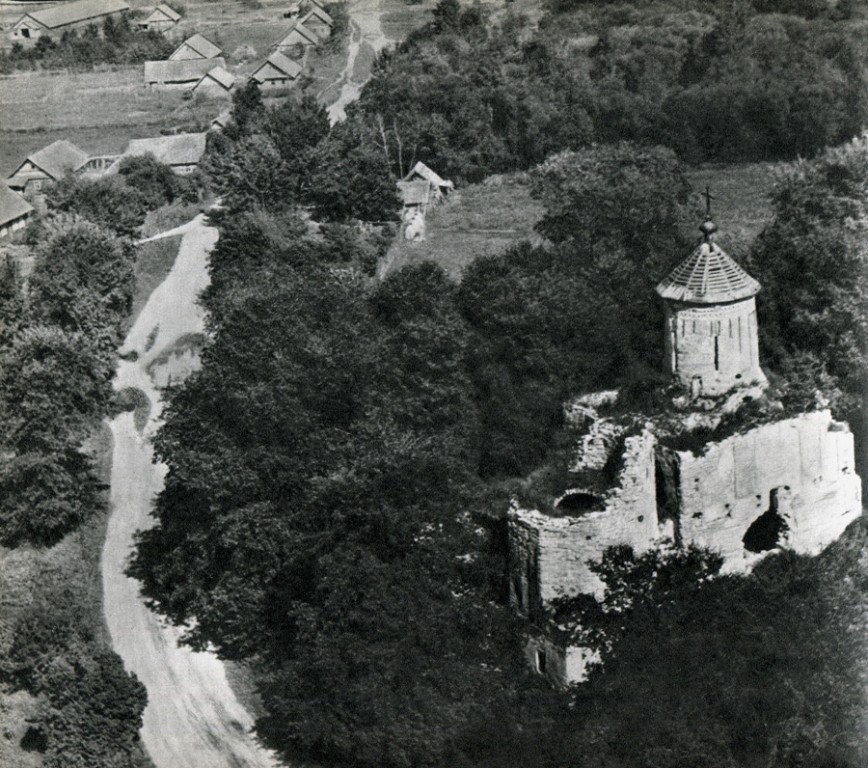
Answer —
708 198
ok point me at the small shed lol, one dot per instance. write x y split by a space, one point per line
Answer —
440 188
14 211
298 34
318 21
56 19
160 19
49 164
196 47
216 83
415 197
181 152
277 71
183 74
222 120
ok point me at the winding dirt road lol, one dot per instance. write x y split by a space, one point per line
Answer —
365 31
193 719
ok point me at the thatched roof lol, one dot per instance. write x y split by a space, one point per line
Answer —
165 10
57 159
201 45
12 205
183 71
281 63
302 30
220 76
64 14
708 276
320 14
182 149
422 171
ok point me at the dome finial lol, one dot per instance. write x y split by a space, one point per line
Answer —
708 227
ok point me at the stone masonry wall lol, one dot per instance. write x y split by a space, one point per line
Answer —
549 555
800 468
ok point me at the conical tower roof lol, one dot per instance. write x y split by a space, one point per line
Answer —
708 276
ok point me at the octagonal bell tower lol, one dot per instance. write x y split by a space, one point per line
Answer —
711 327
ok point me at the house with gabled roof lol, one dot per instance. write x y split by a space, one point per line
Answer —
14 211
318 21
196 47
299 35
440 188
183 74
49 164
181 152
222 120
160 19
277 71
216 83
59 18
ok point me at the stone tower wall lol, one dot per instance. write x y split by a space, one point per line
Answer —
801 468
549 556
716 344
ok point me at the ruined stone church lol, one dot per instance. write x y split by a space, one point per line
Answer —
783 482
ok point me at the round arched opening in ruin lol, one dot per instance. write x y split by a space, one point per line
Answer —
579 502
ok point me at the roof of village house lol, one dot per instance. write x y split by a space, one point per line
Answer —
12 205
181 149
423 171
223 118
306 33
708 276
202 45
183 71
166 11
220 76
414 192
280 62
63 14
57 159
315 10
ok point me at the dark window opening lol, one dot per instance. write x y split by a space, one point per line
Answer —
25 33
716 354
541 662
34 740
768 530
579 502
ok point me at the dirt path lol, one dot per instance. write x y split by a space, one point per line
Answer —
193 719
366 31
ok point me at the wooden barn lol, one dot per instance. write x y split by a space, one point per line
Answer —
318 21
57 19
440 188
160 19
181 152
222 120
14 211
195 47
174 75
49 164
277 71
299 35
216 83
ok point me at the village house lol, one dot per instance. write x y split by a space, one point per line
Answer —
215 84
318 21
277 71
62 17
440 188
160 19
14 211
49 164
181 152
420 190
183 74
298 35
195 47
222 120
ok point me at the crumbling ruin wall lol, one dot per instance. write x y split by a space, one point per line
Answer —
549 555
797 475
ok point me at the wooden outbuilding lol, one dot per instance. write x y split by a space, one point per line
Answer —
299 35
196 47
277 71
216 83
181 152
318 21
14 211
222 120
184 74
440 188
49 164
59 18
161 19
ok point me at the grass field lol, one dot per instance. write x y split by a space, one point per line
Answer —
486 219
